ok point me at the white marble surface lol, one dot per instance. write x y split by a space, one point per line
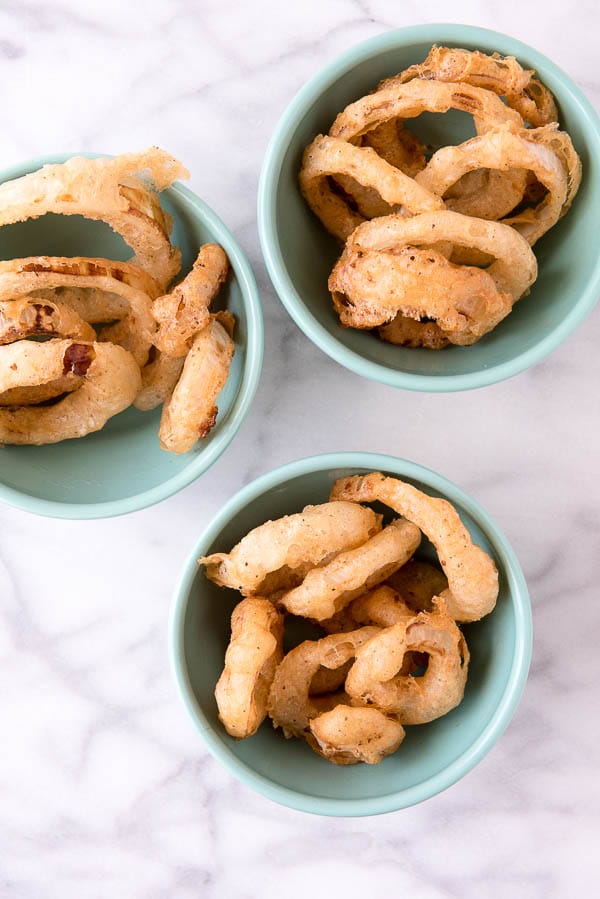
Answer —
105 789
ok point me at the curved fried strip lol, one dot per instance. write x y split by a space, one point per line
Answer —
159 379
500 150
326 590
106 190
184 311
487 193
28 317
472 575
111 379
370 287
191 411
501 74
395 100
90 303
40 393
254 652
278 554
417 583
381 606
404 331
398 146
18 277
347 735
328 156
290 704
374 679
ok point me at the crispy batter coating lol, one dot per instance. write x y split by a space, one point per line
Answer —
472 575
91 304
487 193
327 589
253 654
347 735
418 582
404 331
159 379
28 317
35 394
278 554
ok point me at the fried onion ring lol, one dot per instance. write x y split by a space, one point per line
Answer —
347 735
404 331
417 583
106 190
327 589
290 704
374 678
40 393
28 317
91 304
159 379
328 156
111 379
278 554
191 411
487 193
253 654
472 575
501 74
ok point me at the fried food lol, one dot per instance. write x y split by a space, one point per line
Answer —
417 583
253 654
159 379
189 414
121 192
472 576
487 194
110 381
374 678
404 331
91 304
278 554
327 589
28 317
40 393
347 735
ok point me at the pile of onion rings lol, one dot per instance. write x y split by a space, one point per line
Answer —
114 333
388 651
428 239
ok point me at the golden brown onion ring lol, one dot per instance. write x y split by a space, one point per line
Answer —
159 379
327 589
347 735
404 331
91 304
253 654
278 554
487 193
111 379
417 583
28 317
106 190
472 575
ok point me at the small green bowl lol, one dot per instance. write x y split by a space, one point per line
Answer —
122 468
299 254
433 756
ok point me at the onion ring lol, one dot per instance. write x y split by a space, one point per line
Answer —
374 678
404 331
472 575
501 74
159 379
106 190
111 379
191 411
328 156
290 705
397 145
347 735
253 654
91 304
40 393
28 317
417 583
327 589
278 554
487 193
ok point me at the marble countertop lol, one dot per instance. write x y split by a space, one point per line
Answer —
105 789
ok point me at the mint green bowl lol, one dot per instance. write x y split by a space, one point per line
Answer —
122 468
433 756
299 254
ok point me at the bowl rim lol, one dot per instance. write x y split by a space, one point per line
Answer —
248 386
448 33
517 590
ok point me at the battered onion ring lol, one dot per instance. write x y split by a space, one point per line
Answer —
91 304
374 678
40 393
501 149
398 146
404 331
487 193
290 704
253 654
278 554
328 156
106 190
111 379
28 317
370 287
159 379
417 583
183 312
18 277
347 735
191 411
502 75
395 100
381 606
472 575
326 590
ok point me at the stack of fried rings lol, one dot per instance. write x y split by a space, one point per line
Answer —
437 252
150 346
386 616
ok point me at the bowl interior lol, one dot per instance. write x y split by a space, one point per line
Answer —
124 459
427 751
304 254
